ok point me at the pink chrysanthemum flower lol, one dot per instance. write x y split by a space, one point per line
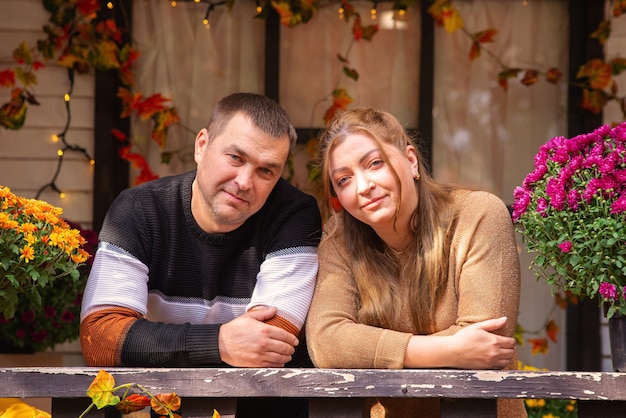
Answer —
566 246
608 291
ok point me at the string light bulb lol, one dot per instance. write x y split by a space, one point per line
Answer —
373 11
341 13
400 15
173 3
60 153
55 138
66 97
110 5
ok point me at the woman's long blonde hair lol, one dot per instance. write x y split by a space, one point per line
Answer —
377 270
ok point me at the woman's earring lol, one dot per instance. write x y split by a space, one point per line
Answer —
416 176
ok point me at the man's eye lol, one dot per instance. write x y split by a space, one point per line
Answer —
234 157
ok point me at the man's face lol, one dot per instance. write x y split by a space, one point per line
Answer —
236 173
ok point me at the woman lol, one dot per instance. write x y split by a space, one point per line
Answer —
413 273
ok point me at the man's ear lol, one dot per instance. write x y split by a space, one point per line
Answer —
200 145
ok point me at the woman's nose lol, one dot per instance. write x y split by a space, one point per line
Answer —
364 184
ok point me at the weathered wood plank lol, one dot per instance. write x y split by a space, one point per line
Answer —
70 382
22 15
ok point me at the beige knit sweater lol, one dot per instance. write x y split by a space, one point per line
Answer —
484 283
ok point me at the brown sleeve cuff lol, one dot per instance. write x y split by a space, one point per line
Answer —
102 335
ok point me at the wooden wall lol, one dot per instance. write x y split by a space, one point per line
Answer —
28 157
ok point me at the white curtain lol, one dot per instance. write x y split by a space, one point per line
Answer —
194 65
484 136
388 65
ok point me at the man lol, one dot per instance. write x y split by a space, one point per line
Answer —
213 267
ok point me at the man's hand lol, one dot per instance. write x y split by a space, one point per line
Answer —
248 342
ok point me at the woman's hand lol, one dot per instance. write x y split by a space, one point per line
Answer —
473 347
477 347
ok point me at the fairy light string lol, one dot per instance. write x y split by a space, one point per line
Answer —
62 136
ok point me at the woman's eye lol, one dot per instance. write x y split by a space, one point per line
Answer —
341 180
376 163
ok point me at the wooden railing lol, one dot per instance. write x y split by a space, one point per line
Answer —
331 392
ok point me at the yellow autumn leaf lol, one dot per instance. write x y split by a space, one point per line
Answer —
101 390
452 19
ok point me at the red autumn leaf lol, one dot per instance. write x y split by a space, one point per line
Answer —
341 100
128 55
593 100
145 176
572 298
357 29
365 32
539 345
137 161
619 7
130 101
133 403
165 403
284 11
7 78
88 8
151 105
560 301
474 51
485 35
163 120
597 72
503 77
552 329
554 75
119 135
108 29
38 65
530 77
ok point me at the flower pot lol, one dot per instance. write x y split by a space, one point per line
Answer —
617 338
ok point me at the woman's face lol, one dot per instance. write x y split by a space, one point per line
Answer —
365 184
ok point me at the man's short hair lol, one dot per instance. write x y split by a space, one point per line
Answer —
262 111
